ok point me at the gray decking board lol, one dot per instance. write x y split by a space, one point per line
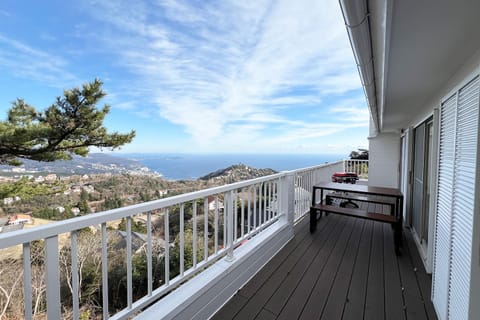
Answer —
424 279
422 291
355 302
393 287
294 306
291 274
265 315
282 294
288 255
319 295
234 305
375 299
339 292
343 275
412 295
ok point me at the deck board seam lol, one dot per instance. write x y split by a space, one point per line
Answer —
402 283
365 225
368 270
332 223
416 275
338 221
350 223
342 260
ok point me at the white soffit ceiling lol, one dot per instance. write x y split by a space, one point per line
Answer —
429 42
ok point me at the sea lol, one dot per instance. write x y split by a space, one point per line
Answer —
194 166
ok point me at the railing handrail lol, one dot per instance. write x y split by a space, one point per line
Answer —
10 239
328 164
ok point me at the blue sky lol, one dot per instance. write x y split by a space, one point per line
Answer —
194 76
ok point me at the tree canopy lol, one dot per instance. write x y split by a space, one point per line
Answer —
360 154
71 125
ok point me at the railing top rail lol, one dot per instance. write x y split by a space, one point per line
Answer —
328 164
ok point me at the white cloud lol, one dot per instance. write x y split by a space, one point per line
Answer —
265 74
34 64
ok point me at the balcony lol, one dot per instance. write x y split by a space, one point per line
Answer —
346 270
197 251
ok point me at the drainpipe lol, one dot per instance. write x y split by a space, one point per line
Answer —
356 17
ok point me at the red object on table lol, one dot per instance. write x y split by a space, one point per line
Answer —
345 177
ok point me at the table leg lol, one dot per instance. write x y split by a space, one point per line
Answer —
313 219
398 229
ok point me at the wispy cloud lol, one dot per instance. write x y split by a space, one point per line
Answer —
230 73
30 63
231 68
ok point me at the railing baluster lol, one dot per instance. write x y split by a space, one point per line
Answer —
242 213
27 281
205 228
129 263
104 271
270 203
194 244
308 199
167 246
149 254
182 239
216 225
73 246
265 217
52 278
254 207
249 212
225 204
235 223
229 224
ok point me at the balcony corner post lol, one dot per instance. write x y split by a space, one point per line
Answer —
288 197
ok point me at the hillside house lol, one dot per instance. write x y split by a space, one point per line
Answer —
20 218
52 177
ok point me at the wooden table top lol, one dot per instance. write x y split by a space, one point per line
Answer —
358 188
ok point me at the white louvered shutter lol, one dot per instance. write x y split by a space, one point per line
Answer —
444 206
455 202
463 200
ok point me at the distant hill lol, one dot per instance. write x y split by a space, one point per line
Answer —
94 163
237 172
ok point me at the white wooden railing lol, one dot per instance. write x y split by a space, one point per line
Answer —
305 179
221 219
360 167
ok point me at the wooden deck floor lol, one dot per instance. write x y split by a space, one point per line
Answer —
347 269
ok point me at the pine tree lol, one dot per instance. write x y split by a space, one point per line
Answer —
69 126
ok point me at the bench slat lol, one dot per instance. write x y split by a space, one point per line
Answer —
356 213
364 198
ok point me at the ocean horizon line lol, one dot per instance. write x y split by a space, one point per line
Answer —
183 166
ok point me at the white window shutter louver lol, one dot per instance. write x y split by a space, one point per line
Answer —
455 202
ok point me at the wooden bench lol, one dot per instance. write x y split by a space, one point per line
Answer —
362 198
358 213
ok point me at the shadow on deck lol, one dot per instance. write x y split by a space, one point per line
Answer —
347 269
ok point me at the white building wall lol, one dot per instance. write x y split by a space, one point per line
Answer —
384 160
